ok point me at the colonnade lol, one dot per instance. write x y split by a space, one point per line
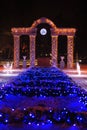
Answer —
55 32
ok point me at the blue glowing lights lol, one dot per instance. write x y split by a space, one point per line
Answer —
44 84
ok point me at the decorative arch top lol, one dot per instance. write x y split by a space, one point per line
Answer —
33 29
43 20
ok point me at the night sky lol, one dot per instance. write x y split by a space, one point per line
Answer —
64 13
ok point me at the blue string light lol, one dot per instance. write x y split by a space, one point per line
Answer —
41 83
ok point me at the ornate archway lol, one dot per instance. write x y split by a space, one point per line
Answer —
55 32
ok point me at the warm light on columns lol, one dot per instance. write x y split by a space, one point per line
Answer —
70 40
16 51
32 50
54 50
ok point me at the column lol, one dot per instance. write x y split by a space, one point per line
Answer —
16 50
54 50
70 40
32 50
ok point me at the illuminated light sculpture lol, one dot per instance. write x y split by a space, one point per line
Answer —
8 68
62 63
78 68
24 61
55 32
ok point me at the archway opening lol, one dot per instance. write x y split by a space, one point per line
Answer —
43 45
69 32
24 46
62 48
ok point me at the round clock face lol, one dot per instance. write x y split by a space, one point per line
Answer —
43 31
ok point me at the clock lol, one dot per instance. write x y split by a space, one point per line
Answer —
43 31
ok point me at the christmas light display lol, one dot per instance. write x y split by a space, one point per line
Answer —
46 87
55 33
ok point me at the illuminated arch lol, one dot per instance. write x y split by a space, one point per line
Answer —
43 20
55 32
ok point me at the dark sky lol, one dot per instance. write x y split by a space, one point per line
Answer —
64 13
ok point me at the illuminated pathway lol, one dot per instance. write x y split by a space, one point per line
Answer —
81 80
4 76
53 93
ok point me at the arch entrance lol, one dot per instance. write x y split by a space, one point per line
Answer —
24 46
43 45
62 48
55 33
